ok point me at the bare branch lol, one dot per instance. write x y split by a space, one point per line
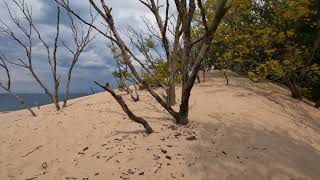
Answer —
126 109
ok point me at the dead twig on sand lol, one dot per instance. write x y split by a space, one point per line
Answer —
110 157
37 148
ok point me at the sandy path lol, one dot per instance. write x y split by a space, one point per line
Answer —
244 131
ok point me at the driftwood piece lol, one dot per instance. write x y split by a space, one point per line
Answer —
126 109
37 148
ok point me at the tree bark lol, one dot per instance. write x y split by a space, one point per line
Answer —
171 93
126 109
66 90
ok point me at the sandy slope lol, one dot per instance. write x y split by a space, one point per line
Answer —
244 131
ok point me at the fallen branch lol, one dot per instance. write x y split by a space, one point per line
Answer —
32 178
109 158
125 108
37 148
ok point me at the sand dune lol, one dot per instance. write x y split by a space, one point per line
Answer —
243 131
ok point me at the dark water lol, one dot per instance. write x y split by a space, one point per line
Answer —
9 103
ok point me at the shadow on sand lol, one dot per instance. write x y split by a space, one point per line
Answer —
242 152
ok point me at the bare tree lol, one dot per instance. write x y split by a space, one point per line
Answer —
190 62
27 27
81 38
7 87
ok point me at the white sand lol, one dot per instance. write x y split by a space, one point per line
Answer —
244 131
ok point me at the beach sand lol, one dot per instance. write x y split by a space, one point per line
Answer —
243 131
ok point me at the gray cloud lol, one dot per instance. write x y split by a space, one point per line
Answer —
95 63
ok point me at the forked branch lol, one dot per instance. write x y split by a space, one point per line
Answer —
126 109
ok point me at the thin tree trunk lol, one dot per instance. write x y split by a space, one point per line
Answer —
135 97
56 99
294 88
125 108
198 78
171 94
66 90
184 108
136 92
225 76
204 75
56 80
92 91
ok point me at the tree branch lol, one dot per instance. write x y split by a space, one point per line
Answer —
125 108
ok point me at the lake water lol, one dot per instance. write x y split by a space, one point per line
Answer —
9 103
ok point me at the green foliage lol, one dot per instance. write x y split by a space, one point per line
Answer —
159 75
121 76
270 39
268 70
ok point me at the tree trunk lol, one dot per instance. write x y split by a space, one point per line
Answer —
184 108
135 97
227 79
92 91
294 88
56 99
317 105
171 90
125 108
198 78
171 94
204 75
66 90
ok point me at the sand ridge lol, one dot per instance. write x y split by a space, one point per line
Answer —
241 131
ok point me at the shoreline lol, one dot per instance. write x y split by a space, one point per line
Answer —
19 107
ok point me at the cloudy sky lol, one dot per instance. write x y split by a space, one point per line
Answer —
96 62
